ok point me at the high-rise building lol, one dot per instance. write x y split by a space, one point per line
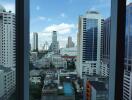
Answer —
70 43
35 41
7 38
89 43
127 86
105 61
54 47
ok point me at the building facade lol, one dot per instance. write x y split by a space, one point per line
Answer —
89 43
105 61
7 38
127 86
58 61
70 43
35 41
7 82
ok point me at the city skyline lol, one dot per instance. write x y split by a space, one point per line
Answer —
61 18
76 72
58 17
42 21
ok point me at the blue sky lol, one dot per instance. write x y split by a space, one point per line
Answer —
60 15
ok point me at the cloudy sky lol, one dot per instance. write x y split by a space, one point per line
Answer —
59 15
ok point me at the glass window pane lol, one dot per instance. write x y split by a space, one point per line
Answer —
70 49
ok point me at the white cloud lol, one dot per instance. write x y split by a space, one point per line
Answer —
129 1
49 19
38 19
37 7
62 28
9 6
42 18
92 9
63 15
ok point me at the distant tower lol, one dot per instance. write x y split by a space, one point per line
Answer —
54 47
89 44
35 41
70 43
7 38
46 46
54 37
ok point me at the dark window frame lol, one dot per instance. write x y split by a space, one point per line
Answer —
117 48
22 49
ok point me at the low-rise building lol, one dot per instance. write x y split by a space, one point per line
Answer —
49 89
33 56
35 79
69 51
58 61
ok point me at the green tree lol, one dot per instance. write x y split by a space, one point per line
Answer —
71 65
52 66
35 91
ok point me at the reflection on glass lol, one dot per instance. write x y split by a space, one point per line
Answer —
127 88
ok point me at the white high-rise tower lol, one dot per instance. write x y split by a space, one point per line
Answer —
35 41
7 38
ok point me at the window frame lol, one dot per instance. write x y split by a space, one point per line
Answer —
22 49
117 49
117 42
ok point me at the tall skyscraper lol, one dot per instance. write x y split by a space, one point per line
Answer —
7 38
54 47
35 41
127 86
54 36
89 43
70 43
